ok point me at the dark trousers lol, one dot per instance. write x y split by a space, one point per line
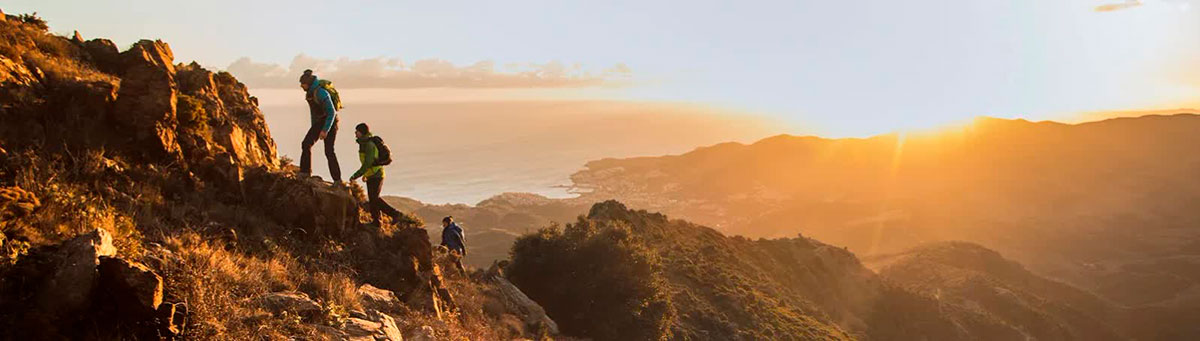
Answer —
375 204
335 172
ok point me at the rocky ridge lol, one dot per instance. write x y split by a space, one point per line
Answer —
143 198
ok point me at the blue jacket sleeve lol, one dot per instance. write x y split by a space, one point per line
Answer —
330 112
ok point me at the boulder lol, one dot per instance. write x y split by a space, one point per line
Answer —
420 279
13 73
379 299
423 333
104 55
425 299
146 100
296 303
68 289
401 261
317 207
131 288
330 333
172 317
531 312
376 326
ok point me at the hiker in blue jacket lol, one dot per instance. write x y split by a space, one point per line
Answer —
324 126
452 238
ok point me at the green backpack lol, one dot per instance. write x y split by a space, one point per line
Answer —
333 94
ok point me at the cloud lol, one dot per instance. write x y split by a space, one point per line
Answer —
394 73
1119 6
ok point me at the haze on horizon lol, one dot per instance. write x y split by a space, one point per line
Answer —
830 68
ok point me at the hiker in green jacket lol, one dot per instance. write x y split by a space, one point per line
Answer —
372 171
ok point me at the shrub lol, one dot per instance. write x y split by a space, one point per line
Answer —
595 279
33 20
190 111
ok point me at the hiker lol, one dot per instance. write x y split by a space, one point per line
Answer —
323 112
374 155
452 238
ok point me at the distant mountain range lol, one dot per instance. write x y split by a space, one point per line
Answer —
1108 206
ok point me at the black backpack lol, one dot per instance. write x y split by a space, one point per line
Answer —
385 155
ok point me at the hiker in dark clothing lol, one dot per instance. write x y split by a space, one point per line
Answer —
324 126
452 238
368 154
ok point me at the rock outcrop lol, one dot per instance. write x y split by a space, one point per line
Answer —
104 54
132 287
423 333
294 303
319 208
226 121
531 313
380 299
145 103
137 104
405 265
372 326
68 289
62 287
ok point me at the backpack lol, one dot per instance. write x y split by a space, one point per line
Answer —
385 155
333 94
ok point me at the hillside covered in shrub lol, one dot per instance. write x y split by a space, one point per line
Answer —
624 274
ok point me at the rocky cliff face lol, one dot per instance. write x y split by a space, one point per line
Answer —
71 95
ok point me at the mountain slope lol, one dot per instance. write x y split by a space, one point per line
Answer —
1105 205
722 288
969 275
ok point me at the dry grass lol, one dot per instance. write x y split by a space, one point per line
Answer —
55 57
220 285
65 70
68 208
217 276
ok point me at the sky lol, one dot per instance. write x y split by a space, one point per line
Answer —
835 68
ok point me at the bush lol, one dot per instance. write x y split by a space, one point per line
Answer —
595 279
190 111
33 20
